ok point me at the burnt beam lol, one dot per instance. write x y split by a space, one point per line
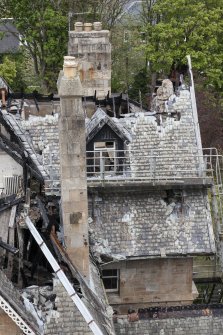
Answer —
17 157
43 212
10 204
8 247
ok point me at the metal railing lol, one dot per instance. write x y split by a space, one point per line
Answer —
157 165
214 163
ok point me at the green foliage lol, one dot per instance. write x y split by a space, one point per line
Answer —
43 26
139 85
8 70
182 27
127 58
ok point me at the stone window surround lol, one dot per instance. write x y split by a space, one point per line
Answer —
112 276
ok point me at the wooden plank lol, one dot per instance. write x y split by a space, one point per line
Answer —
21 247
4 223
43 212
11 241
12 217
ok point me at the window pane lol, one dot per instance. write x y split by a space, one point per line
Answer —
110 273
110 145
110 283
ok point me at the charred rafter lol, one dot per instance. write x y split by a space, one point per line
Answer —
18 155
17 150
9 203
8 247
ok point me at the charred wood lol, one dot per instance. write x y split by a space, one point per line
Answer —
43 213
8 247
10 203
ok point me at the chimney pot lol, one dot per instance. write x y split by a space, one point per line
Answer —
87 26
70 67
97 26
78 26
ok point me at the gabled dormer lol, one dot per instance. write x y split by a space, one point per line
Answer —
106 140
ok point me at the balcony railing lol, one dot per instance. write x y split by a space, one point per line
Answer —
156 167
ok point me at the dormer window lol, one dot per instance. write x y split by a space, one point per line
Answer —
106 139
105 157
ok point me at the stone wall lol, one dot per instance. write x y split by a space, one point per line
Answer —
72 155
8 326
206 325
149 282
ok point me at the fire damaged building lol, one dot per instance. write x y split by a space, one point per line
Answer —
109 212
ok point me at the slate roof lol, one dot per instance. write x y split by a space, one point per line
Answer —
14 299
145 228
99 119
10 41
24 141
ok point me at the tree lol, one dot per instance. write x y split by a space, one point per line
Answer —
42 27
177 28
8 70
106 11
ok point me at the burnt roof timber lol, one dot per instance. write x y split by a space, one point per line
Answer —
22 152
43 212
37 97
11 203
8 247
12 145
17 157
13 151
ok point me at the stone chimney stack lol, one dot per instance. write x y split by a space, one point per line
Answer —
73 165
91 46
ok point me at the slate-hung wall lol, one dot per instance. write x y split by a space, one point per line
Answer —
44 134
152 224
173 141
141 224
